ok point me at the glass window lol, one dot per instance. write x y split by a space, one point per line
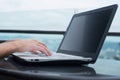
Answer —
111 48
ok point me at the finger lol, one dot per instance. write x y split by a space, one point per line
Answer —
45 47
41 48
42 44
39 42
48 51
45 51
35 51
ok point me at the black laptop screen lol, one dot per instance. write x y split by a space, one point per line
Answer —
85 32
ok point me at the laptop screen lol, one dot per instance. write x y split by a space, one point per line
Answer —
85 32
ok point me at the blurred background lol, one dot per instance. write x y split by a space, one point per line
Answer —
54 16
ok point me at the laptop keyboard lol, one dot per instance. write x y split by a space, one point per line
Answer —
62 56
54 56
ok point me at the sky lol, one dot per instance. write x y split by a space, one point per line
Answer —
13 5
84 5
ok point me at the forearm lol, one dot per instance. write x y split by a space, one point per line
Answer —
21 45
7 48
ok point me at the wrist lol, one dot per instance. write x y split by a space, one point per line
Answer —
16 45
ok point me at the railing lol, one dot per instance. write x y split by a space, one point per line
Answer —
48 32
113 34
31 32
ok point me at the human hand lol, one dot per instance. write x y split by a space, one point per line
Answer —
30 45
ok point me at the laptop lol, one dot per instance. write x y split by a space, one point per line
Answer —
83 39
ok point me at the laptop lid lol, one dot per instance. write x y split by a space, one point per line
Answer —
87 31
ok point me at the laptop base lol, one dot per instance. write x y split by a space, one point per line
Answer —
50 62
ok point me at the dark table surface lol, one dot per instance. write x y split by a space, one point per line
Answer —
102 69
